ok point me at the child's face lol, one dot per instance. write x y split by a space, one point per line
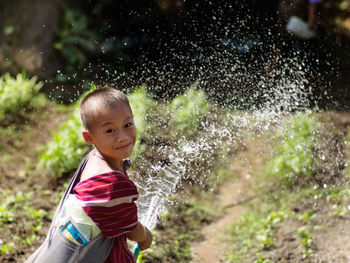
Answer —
113 132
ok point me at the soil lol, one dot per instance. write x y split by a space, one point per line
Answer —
330 244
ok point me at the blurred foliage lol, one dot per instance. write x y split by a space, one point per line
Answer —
16 93
187 112
293 154
339 4
140 103
65 150
75 39
107 31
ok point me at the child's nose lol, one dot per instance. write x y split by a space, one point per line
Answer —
122 136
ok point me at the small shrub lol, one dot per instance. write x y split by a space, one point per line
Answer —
293 157
306 240
16 93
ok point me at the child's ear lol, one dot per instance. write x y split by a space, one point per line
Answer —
87 137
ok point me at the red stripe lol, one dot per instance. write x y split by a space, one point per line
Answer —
116 220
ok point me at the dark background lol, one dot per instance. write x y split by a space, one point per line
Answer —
168 45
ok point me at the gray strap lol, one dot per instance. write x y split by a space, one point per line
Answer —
69 188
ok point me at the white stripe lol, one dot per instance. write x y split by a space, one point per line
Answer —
110 203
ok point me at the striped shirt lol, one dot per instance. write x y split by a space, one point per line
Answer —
109 200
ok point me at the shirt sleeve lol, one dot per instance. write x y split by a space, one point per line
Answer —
109 200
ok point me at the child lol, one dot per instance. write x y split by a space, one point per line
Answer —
102 197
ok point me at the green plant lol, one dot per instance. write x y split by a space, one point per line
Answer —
338 210
307 216
17 209
306 240
140 103
37 217
16 93
187 111
6 248
9 204
265 234
255 231
262 260
293 157
6 216
65 150
182 224
75 39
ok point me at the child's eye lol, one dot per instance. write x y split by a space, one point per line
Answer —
110 131
128 125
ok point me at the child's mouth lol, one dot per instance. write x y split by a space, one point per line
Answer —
123 147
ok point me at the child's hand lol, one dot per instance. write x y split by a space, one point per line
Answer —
146 243
141 235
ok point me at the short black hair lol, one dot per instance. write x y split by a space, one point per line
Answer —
102 97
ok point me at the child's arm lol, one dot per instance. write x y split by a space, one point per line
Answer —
141 235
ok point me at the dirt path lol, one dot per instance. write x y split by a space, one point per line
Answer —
330 244
214 247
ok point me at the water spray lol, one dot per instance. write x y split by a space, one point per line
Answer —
158 191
